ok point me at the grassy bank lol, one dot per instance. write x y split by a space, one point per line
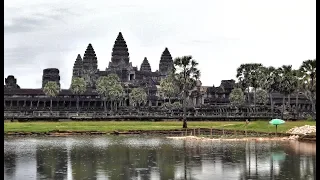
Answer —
109 126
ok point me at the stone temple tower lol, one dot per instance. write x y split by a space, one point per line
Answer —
166 63
90 67
11 82
50 74
120 54
77 67
145 66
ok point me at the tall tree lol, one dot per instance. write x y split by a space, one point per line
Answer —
109 87
51 89
262 96
138 96
307 75
116 94
269 81
254 77
78 87
236 97
186 74
102 89
169 87
288 83
243 75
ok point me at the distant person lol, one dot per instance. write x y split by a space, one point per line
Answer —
247 122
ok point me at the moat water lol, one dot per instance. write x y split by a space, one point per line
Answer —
155 158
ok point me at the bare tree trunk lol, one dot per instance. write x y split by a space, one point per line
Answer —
184 109
289 102
78 104
297 95
249 101
51 106
271 104
283 102
111 104
105 105
254 100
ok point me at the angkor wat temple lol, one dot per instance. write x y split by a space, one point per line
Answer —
207 100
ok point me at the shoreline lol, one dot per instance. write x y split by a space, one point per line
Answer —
195 138
171 134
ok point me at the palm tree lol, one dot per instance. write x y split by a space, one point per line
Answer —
307 75
102 89
243 75
269 81
288 83
51 89
186 74
138 96
111 88
116 94
78 87
254 77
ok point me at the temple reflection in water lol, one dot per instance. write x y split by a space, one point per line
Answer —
156 158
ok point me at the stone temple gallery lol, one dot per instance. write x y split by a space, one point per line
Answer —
19 101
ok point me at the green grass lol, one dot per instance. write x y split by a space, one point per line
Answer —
109 126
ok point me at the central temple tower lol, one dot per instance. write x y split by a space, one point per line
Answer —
120 54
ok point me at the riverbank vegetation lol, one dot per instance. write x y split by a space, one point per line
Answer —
110 126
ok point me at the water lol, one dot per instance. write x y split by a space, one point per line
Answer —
144 158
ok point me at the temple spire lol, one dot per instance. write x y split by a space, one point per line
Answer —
89 58
77 67
145 66
120 52
166 62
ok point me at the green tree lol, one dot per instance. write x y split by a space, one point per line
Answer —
169 87
138 96
109 87
51 89
307 76
176 104
186 74
116 94
269 81
78 87
237 97
254 77
102 89
243 76
288 83
262 96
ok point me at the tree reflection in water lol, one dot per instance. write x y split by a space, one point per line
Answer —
117 158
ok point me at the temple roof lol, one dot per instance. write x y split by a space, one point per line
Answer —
166 56
78 62
145 66
120 50
63 92
166 62
89 55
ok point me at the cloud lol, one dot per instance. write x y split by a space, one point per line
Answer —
220 35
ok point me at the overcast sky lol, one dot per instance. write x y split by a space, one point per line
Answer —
220 35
